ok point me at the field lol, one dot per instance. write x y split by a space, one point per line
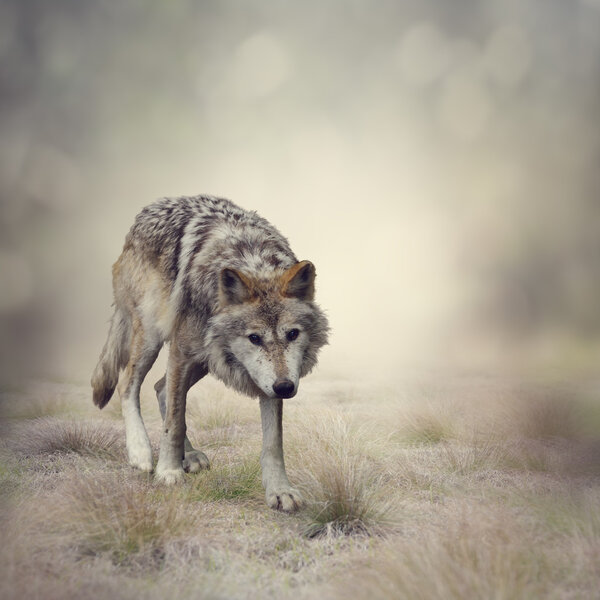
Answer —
439 487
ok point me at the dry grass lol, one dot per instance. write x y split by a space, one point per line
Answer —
476 457
426 425
49 435
121 517
39 400
228 480
341 483
469 490
544 415
218 408
474 555
343 497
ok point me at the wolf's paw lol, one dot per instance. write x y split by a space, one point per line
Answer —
195 461
286 499
169 476
140 457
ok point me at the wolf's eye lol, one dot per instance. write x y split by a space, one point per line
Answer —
255 339
292 334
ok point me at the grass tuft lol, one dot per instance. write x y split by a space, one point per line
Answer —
464 459
343 499
546 416
87 438
228 481
468 558
122 518
426 426
343 487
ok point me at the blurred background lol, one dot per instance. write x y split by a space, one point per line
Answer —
438 161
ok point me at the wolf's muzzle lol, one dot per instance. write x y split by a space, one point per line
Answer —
284 388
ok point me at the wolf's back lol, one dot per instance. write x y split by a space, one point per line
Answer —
172 232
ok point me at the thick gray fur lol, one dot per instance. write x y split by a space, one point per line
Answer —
201 273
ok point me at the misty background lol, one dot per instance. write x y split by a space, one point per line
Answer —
439 162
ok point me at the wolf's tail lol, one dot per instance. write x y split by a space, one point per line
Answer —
113 358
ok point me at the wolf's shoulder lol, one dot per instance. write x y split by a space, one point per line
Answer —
166 218
159 228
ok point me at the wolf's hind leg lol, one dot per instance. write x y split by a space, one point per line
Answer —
194 460
143 353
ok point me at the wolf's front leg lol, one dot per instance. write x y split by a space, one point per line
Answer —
279 493
194 460
169 469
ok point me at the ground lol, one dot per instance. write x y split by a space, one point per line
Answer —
440 487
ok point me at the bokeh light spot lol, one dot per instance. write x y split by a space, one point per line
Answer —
423 54
260 66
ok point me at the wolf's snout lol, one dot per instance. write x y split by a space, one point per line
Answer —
284 388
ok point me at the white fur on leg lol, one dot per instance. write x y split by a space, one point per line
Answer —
169 469
169 476
139 449
279 494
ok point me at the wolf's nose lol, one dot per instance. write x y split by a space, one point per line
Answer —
284 388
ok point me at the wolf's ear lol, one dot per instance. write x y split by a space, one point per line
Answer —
299 281
234 287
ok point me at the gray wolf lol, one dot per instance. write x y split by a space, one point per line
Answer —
223 287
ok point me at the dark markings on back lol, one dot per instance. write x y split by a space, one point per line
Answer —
160 231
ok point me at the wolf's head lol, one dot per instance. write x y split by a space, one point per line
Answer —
267 331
